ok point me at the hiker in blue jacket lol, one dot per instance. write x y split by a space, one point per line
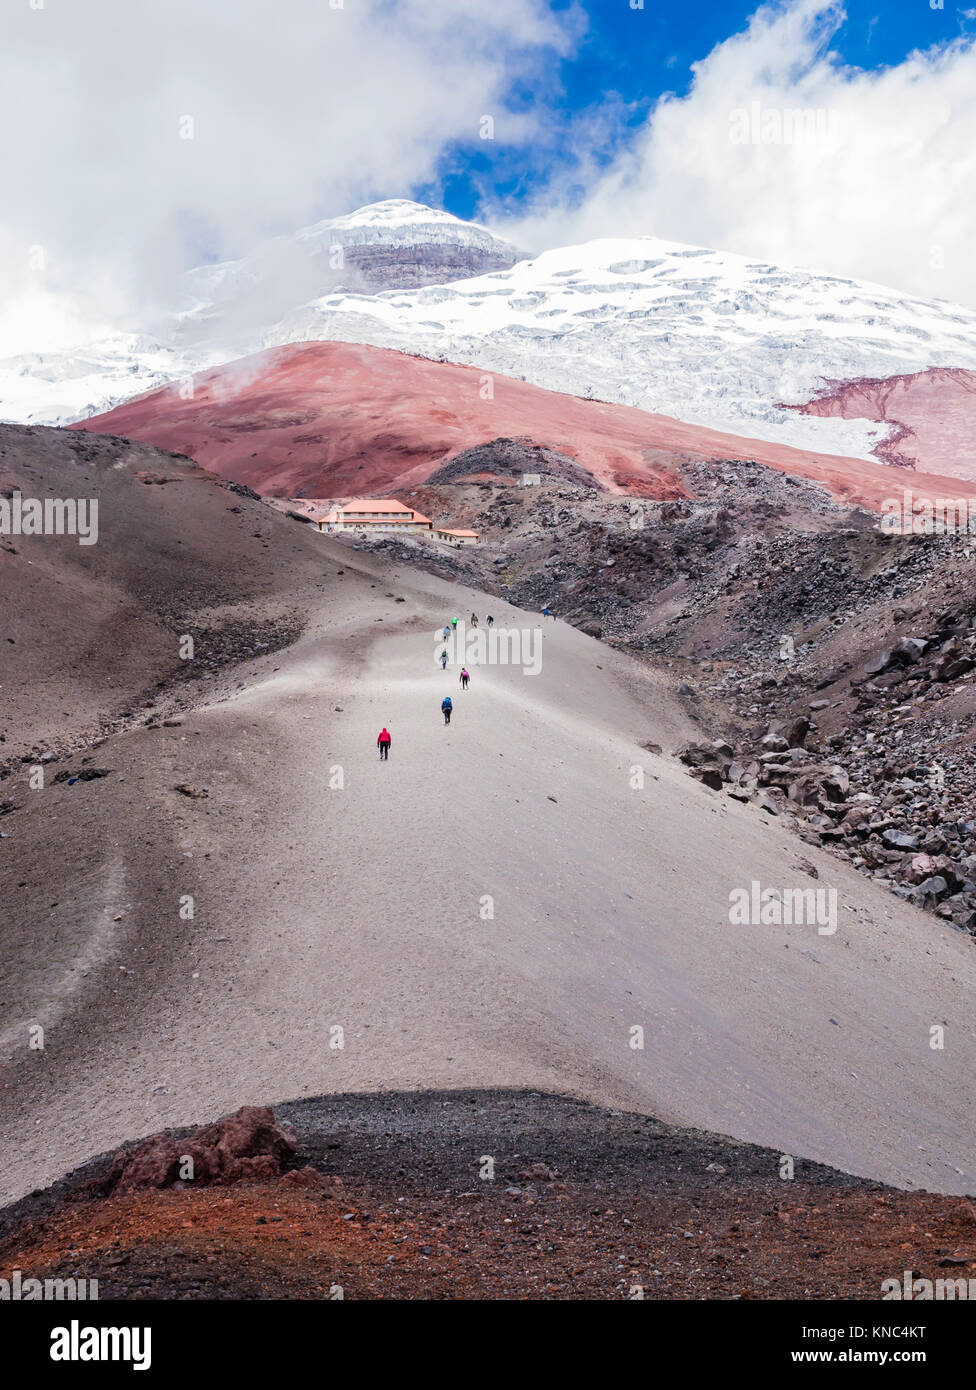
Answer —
447 705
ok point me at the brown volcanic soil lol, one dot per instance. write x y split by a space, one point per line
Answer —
90 636
341 419
361 908
386 1201
358 905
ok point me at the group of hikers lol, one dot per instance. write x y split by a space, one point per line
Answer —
447 704
452 627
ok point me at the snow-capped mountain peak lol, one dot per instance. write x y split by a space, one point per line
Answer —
400 220
395 244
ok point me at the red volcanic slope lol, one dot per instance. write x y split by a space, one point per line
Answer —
340 419
933 414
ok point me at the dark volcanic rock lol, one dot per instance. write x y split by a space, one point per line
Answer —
513 458
897 839
378 268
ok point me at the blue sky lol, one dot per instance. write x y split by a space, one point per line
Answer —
640 55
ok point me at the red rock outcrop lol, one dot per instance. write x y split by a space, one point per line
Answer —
247 1145
932 414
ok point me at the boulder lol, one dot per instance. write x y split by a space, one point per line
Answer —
920 867
798 731
804 791
836 784
715 754
952 670
898 839
880 663
743 773
694 754
909 649
930 891
247 1144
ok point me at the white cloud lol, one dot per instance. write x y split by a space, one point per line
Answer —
299 109
885 192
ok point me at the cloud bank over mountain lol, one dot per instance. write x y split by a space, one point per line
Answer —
142 140
780 150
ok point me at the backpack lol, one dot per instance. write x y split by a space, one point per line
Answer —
447 704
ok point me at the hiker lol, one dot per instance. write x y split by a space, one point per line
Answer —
491 621
474 620
383 744
447 704
545 612
443 660
454 622
464 678
447 632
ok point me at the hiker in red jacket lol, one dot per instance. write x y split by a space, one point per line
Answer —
383 744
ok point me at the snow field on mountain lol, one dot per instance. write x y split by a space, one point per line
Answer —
707 337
